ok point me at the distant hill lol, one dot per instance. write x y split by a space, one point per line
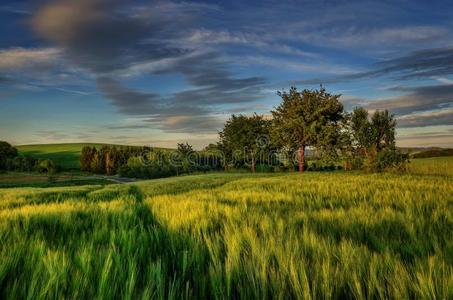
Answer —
64 155
432 153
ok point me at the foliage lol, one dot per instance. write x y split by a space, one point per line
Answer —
231 236
307 118
6 152
45 166
373 142
245 139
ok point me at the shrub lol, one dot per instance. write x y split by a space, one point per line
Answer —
391 159
45 166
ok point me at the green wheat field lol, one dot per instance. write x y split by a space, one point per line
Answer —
309 236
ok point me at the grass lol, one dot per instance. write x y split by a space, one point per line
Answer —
310 236
432 166
19 179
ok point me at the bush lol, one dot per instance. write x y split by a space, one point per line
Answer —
45 166
391 160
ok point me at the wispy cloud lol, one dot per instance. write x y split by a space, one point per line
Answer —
17 58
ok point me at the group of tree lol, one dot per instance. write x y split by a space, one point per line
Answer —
11 160
313 119
146 162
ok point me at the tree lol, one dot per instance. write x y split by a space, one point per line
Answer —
377 131
86 158
307 118
361 129
96 163
185 150
384 126
374 141
241 137
6 152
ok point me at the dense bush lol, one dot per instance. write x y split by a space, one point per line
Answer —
45 166
391 159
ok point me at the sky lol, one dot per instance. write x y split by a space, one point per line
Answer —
161 72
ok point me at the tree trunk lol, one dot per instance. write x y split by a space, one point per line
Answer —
253 165
301 158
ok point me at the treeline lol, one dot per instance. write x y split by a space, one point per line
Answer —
11 160
314 120
147 162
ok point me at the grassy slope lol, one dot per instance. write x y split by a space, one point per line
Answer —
65 155
318 235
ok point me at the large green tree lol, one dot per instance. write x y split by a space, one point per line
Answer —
306 118
245 137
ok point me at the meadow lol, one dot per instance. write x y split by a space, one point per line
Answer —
315 235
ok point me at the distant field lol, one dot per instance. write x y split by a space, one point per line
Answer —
312 236
65 155
432 166
13 179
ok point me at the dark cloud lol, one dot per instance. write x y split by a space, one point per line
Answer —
423 64
4 79
127 100
103 36
417 99
419 64
112 43
442 117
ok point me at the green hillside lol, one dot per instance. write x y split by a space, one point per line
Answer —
64 155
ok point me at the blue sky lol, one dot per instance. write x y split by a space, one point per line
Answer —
161 72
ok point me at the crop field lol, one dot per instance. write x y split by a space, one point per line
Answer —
309 236
432 166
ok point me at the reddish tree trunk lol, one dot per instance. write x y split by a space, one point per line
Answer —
301 158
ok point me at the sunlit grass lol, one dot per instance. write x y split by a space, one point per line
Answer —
311 236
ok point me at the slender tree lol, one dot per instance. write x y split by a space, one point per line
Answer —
384 126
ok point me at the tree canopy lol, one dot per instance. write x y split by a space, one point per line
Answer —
245 137
307 118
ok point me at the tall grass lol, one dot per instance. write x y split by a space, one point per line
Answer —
311 236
